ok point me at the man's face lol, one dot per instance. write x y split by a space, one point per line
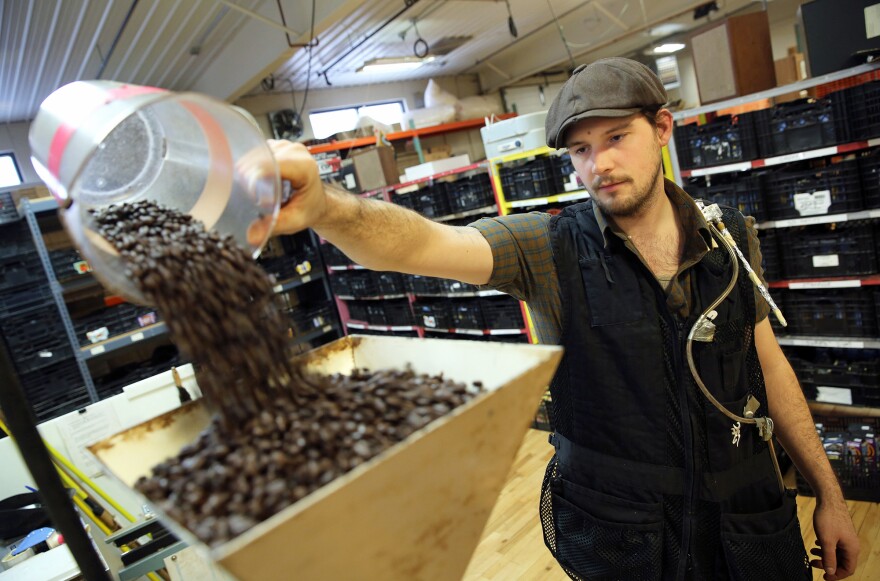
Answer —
624 154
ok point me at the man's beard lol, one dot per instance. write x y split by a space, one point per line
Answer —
641 199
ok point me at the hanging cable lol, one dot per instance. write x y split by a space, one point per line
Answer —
407 5
420 47
562 36
312 40
511 25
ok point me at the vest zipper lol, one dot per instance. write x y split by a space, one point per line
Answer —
689 460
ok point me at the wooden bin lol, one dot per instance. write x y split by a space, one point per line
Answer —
417 510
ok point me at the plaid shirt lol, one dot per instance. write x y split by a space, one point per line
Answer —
524 267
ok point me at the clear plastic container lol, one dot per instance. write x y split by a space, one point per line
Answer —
98 143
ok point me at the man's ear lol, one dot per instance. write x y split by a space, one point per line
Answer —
665 123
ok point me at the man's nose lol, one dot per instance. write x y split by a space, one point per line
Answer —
602 162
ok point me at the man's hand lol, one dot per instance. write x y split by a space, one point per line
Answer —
308 202
837 544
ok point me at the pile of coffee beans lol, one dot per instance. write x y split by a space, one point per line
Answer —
278 433
223 484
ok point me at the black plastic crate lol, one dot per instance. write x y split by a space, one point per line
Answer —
340 282
389 283
433 314
65 263
433 201
682 135
502 313
850 443
280 267
306 318
15 301
407 200
727 139
803 125
833 189
36 338
333 256
470 193
863 105
769 240
823 250
357 310
8 212
24 269
362 284
467 314
869 176
425 285
563 167
55 390
397 312
842 312
16 239
447 285
740 191
530 179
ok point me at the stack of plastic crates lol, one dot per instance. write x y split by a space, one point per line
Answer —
31 324
833 189
851 446
847 248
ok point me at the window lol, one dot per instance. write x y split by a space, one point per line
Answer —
327 123
9 174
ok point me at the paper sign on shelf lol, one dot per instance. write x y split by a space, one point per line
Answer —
813 204
826 261
841 395
86 428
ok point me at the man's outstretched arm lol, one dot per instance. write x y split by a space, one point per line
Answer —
375 234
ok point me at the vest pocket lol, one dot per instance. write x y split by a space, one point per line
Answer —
604 537
765 545
612 290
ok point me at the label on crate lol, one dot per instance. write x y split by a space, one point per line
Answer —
82 267
826 261
842 395
429 321
872 21
813 204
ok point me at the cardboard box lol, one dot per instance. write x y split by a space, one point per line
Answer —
790 69
734 57
375 167
434 167
415 511
435 153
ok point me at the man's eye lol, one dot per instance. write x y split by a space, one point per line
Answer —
616 138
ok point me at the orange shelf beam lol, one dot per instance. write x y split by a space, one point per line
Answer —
408 134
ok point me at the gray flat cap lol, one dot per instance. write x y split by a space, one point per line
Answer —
610 87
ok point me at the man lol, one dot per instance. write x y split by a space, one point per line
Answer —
650 479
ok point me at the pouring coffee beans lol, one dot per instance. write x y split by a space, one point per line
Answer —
278 433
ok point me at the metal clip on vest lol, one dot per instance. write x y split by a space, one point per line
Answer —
704 330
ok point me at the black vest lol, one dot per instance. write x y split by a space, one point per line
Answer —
650 481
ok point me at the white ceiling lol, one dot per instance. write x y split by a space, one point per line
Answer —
213 47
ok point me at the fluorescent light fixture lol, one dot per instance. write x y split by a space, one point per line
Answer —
393 64
667 29
668 48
